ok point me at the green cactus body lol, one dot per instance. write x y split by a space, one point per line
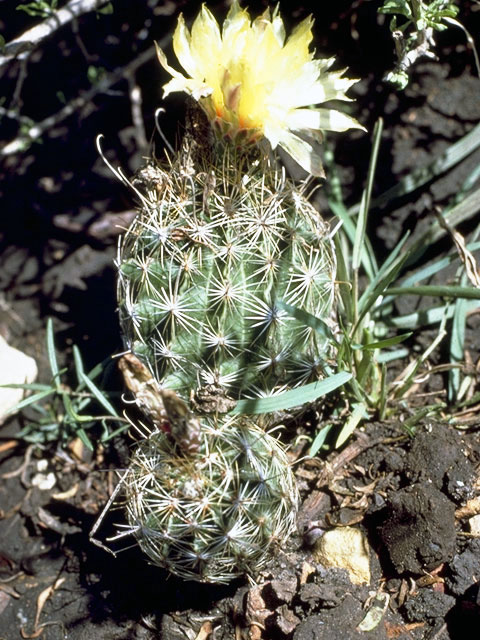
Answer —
204 270
217 513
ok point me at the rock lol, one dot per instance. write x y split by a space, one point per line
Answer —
428 605
310 594
284 587
419 531
15 368
464 570
286 620
345 548
474 524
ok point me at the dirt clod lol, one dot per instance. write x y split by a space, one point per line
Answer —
448 468
428 604
345 617
419 530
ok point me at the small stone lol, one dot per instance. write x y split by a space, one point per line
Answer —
464 568
286 621
310 594
284 587
474 524
345 548
15 368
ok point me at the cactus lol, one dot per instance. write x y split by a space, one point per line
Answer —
216 513
218 277
217 248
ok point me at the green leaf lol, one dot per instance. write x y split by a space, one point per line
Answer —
28 386
359 412
100 397
388 342
419 177
82 434
319 440
457 345
52 357
77 359
293 398
396 6
386 275
106 10
390 356
72 414
31 400
359 241
425 317
438 291
306 318
348 226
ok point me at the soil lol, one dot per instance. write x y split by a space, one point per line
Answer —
412 498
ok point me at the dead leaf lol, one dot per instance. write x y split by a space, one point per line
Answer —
472 508
256 613
471 267
41 600
398 630
205 631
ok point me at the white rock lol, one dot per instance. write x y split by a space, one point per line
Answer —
345 548
474 523
15 368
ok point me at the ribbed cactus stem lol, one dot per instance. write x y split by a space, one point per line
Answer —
218 512
216 250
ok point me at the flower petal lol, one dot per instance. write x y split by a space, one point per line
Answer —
182 48
303 153
236 20
206 42
321 119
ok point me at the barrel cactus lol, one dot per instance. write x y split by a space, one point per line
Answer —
205 271
218 512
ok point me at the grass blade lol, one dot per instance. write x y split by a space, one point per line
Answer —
359 412
421 176
360 228
388 342
293 398
306 318
319 440
437 291
31 400
52 357
99 396
457 343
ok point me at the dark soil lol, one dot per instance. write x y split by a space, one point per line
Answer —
62 213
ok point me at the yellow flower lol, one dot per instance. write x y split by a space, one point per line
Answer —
250 80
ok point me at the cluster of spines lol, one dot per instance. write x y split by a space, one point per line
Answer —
202 272
217 513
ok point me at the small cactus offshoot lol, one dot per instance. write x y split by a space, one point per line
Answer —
216 513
